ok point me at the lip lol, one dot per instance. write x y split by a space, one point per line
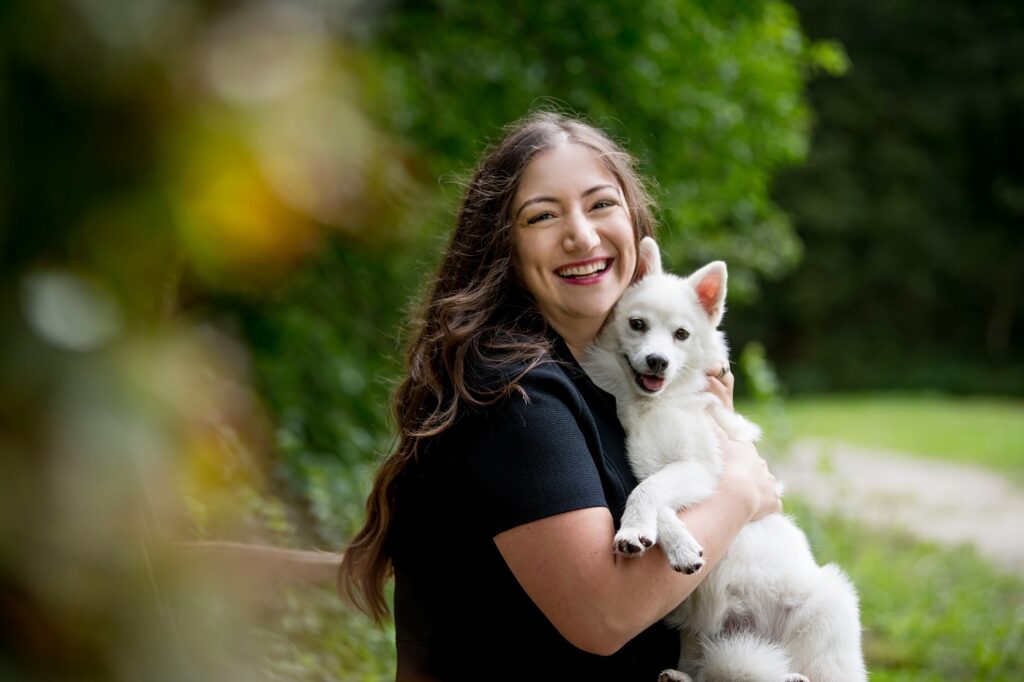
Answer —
590 279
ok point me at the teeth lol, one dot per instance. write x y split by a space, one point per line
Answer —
581 270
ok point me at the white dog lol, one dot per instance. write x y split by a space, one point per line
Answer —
766 611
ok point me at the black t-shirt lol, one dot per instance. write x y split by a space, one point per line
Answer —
459 611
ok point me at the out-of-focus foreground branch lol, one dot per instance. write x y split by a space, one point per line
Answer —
262 562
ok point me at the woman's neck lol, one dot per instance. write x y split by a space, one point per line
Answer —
577 340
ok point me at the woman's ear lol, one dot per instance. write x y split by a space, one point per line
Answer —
648 260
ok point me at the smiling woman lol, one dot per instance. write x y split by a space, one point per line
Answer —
574 244
496 513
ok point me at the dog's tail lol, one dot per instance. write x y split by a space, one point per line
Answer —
743 657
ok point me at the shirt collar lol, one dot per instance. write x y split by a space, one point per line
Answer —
562 355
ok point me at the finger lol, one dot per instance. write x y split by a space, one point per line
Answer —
718 371
719 390
723 374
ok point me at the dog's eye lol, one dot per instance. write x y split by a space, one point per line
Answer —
636 324
682 334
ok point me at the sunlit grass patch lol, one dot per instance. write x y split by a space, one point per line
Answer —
984 431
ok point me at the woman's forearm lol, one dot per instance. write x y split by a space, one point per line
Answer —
598 599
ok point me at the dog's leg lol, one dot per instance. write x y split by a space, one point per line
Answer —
823 631
675 486
682 549
638 529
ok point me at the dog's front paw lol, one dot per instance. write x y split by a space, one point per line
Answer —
687 564
684 554
633 541
795 677
673 676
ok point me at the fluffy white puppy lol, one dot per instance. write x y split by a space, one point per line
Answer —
766 611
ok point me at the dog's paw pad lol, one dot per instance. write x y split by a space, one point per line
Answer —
630 547
684 557
688 569
631 542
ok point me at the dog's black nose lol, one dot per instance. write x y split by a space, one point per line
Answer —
657 363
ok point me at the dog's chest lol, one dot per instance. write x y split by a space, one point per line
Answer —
665 431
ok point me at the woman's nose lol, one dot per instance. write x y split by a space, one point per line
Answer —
581 233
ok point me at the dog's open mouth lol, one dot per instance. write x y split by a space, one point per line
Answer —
648 383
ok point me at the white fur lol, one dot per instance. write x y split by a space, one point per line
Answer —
766 611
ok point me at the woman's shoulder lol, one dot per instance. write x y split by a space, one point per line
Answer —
515 383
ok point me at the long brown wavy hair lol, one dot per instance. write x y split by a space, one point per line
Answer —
475 315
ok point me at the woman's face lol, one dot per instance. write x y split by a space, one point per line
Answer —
573 242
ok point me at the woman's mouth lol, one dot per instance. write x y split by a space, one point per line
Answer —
585 272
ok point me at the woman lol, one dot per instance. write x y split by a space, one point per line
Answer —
497 510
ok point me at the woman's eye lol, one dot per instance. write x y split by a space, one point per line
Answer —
539 217
604 203
636 324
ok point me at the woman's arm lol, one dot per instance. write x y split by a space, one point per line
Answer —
599 600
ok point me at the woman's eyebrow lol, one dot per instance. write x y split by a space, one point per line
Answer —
537 200
597 188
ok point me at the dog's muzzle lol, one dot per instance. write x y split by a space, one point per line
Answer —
653 381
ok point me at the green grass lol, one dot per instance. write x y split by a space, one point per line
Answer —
928 613
988 432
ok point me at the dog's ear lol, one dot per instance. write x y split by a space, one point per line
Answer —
648 260
709 284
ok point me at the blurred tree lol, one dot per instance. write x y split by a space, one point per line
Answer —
709 95
166 168
213 149
911 206
214 216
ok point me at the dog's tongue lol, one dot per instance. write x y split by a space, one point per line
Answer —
652 383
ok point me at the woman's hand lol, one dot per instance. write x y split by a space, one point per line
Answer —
746 474
720 384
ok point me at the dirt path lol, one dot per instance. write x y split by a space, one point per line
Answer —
947 503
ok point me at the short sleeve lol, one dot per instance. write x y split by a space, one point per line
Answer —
529 457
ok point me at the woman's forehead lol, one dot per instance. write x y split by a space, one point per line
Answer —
567 168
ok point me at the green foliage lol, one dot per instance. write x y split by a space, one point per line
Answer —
708 95
308 635
325 357
909 206
768 406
